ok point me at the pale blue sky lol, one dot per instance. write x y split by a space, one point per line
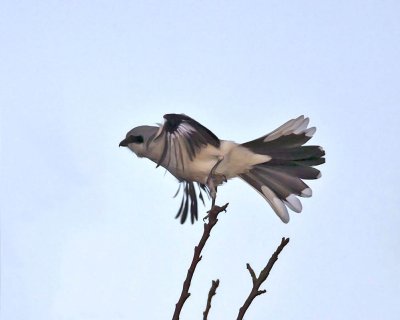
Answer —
88 230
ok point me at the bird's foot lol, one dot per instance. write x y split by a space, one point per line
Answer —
214 211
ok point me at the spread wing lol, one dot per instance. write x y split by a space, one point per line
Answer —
183 138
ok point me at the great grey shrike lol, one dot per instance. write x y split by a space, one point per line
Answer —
274 164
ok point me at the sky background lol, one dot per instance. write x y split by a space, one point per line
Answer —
88 229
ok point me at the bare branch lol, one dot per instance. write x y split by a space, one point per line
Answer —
211 293
212 220
257 282
252 274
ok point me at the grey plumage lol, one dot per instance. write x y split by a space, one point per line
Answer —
273 164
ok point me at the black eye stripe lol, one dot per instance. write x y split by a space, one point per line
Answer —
134 139
138 139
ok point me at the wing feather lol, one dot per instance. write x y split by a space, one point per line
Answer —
189 203
184 136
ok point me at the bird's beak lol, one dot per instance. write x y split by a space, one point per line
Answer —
129 139
124 143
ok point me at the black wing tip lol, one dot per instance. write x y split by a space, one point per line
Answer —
189 203
177 118
172 115
173 120
182 216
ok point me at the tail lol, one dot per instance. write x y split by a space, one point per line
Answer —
279 180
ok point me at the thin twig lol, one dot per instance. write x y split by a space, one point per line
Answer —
212 220
211 293
257 282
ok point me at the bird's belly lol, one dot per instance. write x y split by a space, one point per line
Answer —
197 170
226 162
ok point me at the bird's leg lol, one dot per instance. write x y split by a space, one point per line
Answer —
212 182
213 198
210 178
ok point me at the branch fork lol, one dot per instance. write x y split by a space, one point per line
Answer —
212 220
258 281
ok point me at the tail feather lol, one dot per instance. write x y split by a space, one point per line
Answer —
276 204
295 168
281 183
311 162
279 180
293 133
295 153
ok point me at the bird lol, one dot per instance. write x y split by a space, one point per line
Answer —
275 164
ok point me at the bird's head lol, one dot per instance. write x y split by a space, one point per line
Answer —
138 139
